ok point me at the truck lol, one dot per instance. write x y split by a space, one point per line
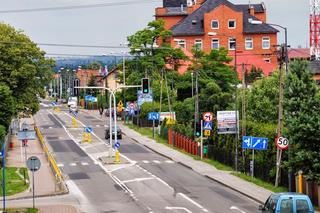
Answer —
72 101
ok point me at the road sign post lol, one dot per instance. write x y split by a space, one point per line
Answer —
201 140
33 164
153 116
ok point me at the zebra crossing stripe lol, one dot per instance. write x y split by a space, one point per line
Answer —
156 161
145 161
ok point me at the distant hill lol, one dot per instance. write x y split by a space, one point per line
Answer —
74 62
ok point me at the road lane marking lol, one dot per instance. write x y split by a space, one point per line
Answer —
178 208
137 180
236 208
145 161
192 201
97 125
84 163
169 161
72 164
156 161
60 165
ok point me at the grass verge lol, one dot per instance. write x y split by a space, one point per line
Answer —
148 132
259 182
22 210
15 182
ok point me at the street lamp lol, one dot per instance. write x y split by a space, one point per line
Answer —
280 113
236 107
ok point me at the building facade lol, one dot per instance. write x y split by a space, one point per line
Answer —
211 24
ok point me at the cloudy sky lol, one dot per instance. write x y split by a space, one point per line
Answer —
110 25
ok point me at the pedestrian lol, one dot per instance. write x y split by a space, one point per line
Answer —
101 111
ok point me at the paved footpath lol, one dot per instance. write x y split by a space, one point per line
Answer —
251 190
45 184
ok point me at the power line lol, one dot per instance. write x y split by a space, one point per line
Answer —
78 6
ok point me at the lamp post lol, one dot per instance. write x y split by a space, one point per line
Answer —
236 106
280 113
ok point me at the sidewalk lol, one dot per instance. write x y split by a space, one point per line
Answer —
45 183
251 190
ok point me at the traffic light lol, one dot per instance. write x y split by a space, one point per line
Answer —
145 85
198 129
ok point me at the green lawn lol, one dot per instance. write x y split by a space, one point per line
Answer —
259 182
22 210
14 183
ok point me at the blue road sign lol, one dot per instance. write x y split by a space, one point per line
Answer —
87 97
207 125
153 116
88 129
74 113
53 103
117 145
0 154
249 142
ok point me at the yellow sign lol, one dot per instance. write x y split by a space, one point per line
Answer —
207 133
171 121
120 103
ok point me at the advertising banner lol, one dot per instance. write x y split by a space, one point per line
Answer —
228 122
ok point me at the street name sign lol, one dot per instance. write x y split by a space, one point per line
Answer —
249 142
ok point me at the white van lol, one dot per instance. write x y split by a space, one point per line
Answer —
72 101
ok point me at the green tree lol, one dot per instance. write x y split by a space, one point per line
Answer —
302 121
7 106
263 100
23 68
252 75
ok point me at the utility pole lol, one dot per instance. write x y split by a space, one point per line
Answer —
196 111
236 108
280 116
243 100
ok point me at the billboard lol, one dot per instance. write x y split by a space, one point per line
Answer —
228 122
144 97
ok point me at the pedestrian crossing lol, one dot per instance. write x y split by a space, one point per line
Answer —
153 162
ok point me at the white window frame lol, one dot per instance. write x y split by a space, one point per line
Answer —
235 24
198 41
218 42
263 40
249 40
214 27
182 43
229 42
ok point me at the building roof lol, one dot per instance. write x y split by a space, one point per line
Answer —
174 3
193 23
299 53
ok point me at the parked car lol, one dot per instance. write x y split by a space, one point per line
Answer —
289 202
73 108
107 133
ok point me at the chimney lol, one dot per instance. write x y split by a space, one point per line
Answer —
251 10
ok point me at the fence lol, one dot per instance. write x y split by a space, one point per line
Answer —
310 188
51 159
182 142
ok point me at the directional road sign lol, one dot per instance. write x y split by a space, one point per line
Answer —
207 125
53 103
282 143
74 113
153 116
27 135
207 116
117 145
88 129
249 142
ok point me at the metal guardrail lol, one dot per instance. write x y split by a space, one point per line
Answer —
51 159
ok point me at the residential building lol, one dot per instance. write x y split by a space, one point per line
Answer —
84 76
112 80
210 24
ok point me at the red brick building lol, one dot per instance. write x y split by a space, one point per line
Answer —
84 76
211 24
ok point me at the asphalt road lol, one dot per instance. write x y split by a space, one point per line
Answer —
149 183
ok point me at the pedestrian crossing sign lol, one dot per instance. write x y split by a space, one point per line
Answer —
207 125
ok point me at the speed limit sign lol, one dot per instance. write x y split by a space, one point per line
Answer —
282 143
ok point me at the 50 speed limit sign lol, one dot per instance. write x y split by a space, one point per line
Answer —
282 143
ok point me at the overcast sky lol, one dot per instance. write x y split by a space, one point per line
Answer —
111 25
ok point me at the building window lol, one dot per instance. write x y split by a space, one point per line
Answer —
249 44
198 44
215 24
232 24
268 60
215 43
265 43
232 43
182 44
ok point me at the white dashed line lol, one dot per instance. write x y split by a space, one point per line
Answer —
60 165
97 125
145 161
169 161
156 161
72 164
84 163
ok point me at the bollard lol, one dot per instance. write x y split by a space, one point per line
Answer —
89 137
300 181
117 156
84 137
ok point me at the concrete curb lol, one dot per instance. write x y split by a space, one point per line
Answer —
38 196
189 167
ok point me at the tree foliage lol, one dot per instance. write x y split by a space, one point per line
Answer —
23 72
302 121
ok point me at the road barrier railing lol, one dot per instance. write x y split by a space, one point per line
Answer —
52 162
